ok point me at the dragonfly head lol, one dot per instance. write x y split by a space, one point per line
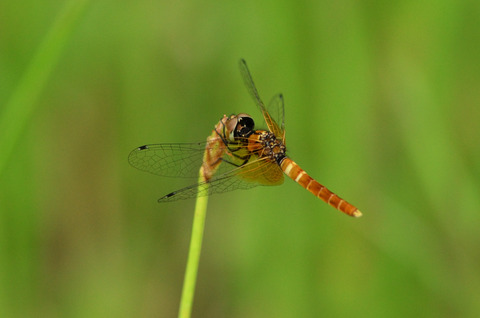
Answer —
239 126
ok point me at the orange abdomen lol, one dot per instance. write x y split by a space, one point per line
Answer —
291 169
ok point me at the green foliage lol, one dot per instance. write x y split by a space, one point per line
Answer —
381 107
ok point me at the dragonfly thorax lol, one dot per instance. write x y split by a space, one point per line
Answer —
270 146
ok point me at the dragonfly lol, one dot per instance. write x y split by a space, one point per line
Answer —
235 156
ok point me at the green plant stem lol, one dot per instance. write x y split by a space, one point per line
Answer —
19 109
190 279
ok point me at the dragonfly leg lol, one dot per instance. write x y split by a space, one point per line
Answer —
227 143
234 164
222 136
246 157
224 140
232 147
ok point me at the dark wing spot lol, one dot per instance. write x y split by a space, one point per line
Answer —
161 200
143 147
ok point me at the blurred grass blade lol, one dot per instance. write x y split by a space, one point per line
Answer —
19 109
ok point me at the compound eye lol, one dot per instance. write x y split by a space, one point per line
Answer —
244 126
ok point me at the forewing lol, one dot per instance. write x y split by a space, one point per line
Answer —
247 78
169 160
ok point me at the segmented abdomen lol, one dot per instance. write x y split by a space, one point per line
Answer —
291 169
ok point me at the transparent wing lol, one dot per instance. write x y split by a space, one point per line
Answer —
257 172
275 113
177 160
276 109
169 160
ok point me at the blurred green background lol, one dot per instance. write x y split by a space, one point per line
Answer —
382 106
